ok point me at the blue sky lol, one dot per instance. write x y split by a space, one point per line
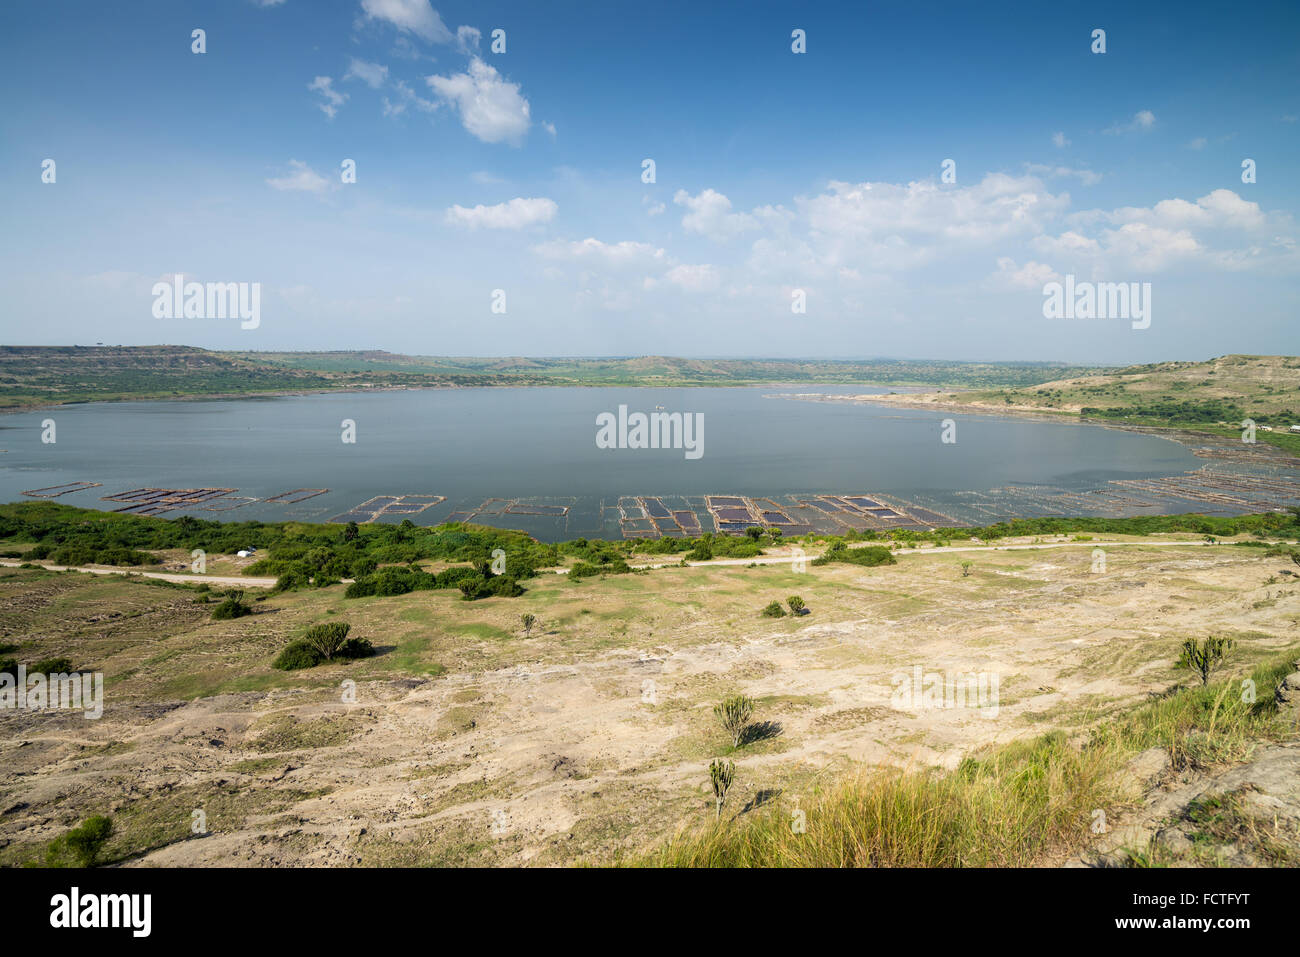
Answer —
775 172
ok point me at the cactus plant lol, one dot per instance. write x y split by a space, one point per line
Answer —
734 712
721 775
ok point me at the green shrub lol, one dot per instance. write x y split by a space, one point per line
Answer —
702 552
80 847
357 648
327 639
774 610
502 586
616 566
232 606
869 555
297 654
304 654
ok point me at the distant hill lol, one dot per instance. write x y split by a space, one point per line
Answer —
667 370
44 375
1216 395
1267 388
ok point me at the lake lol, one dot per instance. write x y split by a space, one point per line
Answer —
495 454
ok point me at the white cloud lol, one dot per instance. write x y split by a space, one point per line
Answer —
1219 209
550 128
491 107
710 214
1142 120
693 278
372 74
406 97
1218 231
1197 144
1059 140
332 99
1066 244
467 39
626 253
515 214
410 16
1150 248
908 215
1032 275
303 178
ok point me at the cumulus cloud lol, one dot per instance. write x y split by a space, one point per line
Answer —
864 245
491 108
920 214
1219 209
515 214
410 16
1059 140
302 178
331 99
710 214
1218 231
372 74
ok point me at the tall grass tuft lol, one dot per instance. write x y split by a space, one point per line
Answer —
1008 806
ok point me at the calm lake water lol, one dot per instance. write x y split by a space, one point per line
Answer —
472 445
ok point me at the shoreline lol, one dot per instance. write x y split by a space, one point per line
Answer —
1181 435
353 390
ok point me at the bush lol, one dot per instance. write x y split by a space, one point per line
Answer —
502 586
327 639
869 555
774 610
297 654
80 847
357 648
797 606
616 566
232 606
702 552
305 653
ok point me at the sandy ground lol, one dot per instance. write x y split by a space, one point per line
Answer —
580 745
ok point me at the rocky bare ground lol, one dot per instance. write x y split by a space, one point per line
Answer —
1246 815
